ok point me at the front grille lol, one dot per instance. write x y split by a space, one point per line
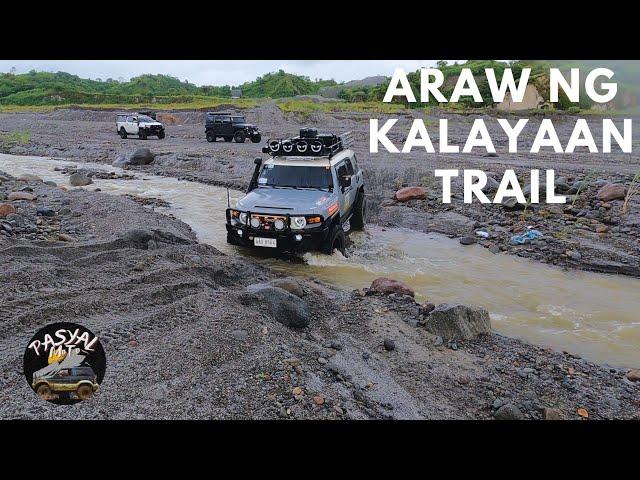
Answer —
267 222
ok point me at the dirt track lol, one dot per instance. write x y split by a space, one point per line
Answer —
182 343
587 236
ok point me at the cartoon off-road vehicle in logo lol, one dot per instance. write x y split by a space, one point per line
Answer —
308 196
64 363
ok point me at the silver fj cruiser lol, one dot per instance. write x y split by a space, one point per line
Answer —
307 196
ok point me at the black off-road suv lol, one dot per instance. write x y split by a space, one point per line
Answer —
230 126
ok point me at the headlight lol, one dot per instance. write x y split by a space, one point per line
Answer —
278 224
255 222
243 218
298 222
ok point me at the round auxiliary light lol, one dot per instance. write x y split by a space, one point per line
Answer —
298 222
301 146
243 218
274 145
278 224
316 147
287 147
298 238
255 223
239 232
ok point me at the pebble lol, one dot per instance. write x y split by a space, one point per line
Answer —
438 341
322 360
63 237
508 412
552 414
467 240
389 345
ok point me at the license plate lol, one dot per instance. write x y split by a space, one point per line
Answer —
264 242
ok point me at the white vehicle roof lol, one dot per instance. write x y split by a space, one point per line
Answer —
298 161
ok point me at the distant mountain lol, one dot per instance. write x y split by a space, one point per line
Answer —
335 90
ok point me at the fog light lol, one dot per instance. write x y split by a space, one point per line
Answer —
255 223
279 224
239 232
298 238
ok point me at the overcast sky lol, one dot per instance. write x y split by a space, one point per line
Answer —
217 72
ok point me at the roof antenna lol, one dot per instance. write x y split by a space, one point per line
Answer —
228 198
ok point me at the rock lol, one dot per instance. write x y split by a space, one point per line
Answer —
438 341
285 307
13 196
318 400
389 345
508 412
511 203
240 335
322 360
141 156
79 180
288 284
454 322
494 249
389 285
633 375
573 255
602 229
491 186
46 212
612 191
410 193
552 414
6 209
29 178
119 162
467 240
63 237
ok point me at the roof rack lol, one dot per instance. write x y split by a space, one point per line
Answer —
309 143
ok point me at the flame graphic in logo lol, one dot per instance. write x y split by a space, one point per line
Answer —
56 355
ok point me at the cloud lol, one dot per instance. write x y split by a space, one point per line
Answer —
216 72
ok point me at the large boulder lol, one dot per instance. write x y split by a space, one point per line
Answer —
389 285
29 197
79 180
288 284
285 307
141 156
458 322
612 191
410 193
6 209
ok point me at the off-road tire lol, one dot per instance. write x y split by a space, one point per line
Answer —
84 392
239 136
161 135
228 139
142 135
359 216
43 391
122 133
256 138
336 241
211 137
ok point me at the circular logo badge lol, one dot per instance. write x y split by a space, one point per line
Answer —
64 363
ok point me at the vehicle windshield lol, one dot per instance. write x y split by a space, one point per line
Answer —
145 119
289 176
238 120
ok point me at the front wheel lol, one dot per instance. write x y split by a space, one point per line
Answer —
336 241
161 135
211 137
122 133
240 136
256 138
358 219
84 392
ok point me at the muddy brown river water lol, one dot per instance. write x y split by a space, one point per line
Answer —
594 315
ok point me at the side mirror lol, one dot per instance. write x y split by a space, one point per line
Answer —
345 181
258 161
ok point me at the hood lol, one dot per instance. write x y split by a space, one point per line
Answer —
244 125
285 200
151 124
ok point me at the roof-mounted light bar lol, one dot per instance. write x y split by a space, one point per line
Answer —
309 144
